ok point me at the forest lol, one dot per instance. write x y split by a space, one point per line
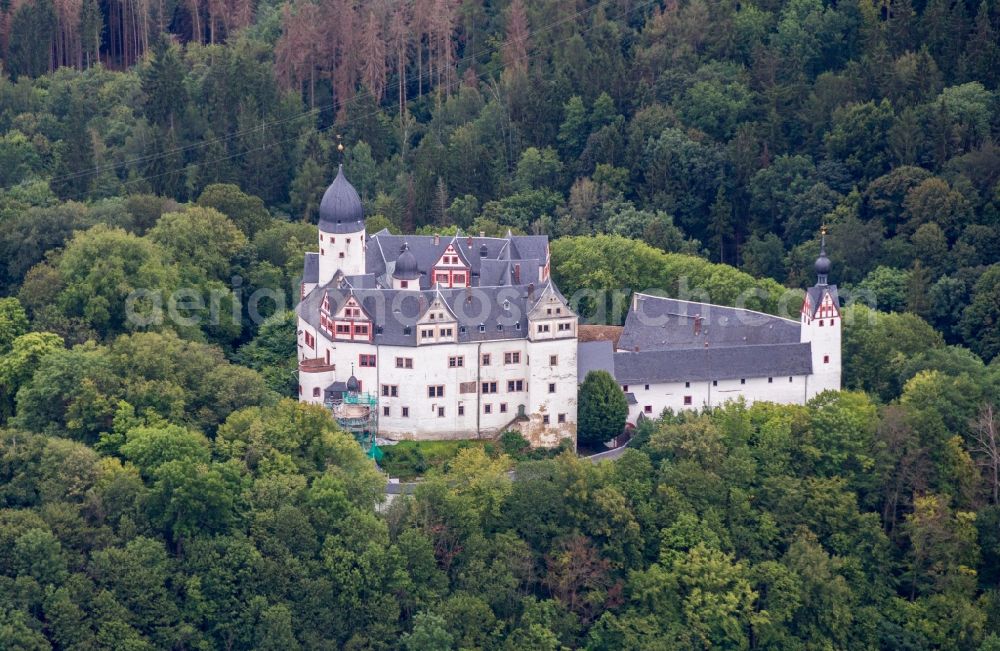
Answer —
160 488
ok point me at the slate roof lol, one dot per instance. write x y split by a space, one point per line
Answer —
725 363
670 324
483 313
310 271
340 210
496 268
594 356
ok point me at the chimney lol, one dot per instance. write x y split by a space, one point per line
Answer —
437 239
517 274
468 294
468 242
706 343
636 349
531 291
482 233
697 324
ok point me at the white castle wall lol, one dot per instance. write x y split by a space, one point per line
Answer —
431 367
670 395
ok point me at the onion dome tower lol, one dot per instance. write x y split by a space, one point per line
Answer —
341 230
820 325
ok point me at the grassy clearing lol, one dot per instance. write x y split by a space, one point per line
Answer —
412 459
409 460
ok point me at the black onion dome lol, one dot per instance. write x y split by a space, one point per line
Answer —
340 210
406 266
823 264
352 384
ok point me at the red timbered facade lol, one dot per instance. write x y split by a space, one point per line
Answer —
350 323
451 270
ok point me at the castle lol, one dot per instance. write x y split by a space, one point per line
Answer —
430 337
674 354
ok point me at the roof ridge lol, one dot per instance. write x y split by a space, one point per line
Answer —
723 307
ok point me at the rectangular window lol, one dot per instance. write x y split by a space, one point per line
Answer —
515 385
743 380
440 412
565 326
343 329
562 418
406 412
367 361
447 332
552 387
404 362
487 408
512 358
545 419
687 400
361 329
647 387
543 327
456 361
390 391
503 407
442 278
789 378
826 359
715 383
770 380
427 333
489 387
460 278
435 391
486 359
687 385
625 388
467 387
461 410
385 411
553 360
648 409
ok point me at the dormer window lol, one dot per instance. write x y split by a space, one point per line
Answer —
506 305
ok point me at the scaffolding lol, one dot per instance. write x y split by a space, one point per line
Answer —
357 413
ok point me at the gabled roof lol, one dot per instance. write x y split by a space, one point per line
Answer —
482 313
769 360
814 296
384 249
671 324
